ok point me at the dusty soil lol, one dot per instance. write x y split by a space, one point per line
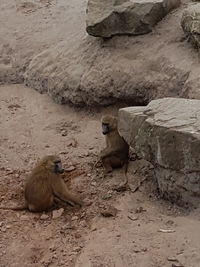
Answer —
32 126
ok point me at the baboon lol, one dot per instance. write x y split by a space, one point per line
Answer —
116 153
45 185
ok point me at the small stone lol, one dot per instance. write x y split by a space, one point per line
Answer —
55 256
74 218
109 211
140 210
44 217
57 213
83 224
72 253
69 169
178 264
171 259
132 218
120 188
64 133
24 218
108 196
62 262
93 183
77 249
72 143
77 235
66 227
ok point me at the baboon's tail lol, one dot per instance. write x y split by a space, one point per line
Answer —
24 207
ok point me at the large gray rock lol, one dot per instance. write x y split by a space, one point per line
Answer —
191 23
106 18
167 134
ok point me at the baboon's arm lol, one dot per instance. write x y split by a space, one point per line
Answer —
60 190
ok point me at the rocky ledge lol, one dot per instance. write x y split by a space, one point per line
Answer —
167 134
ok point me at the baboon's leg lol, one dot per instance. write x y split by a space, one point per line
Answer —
107 165
111 162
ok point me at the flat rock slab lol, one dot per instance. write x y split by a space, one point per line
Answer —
191 23
167 134
106 18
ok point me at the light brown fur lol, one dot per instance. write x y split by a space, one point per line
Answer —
116 153
45 185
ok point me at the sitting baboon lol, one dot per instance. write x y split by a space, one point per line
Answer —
45 185
116 153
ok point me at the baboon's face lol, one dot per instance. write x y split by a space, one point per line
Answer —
105 128
109 124
58 167
53 164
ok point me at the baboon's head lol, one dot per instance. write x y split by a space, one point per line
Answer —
52 164
109 124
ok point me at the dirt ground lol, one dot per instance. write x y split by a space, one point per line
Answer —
32 125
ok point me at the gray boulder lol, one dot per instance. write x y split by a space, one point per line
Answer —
106 18
191 23
167 134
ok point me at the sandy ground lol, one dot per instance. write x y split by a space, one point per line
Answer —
31 125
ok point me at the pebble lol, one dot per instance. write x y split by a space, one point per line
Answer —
24 218
83 223
64 133
109 211
74 218
140 210
77 249
55 256
57 213
69 169
44 217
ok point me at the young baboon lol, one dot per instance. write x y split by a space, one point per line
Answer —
45 185
116 153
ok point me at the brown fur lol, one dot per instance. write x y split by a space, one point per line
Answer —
45 185
116 153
